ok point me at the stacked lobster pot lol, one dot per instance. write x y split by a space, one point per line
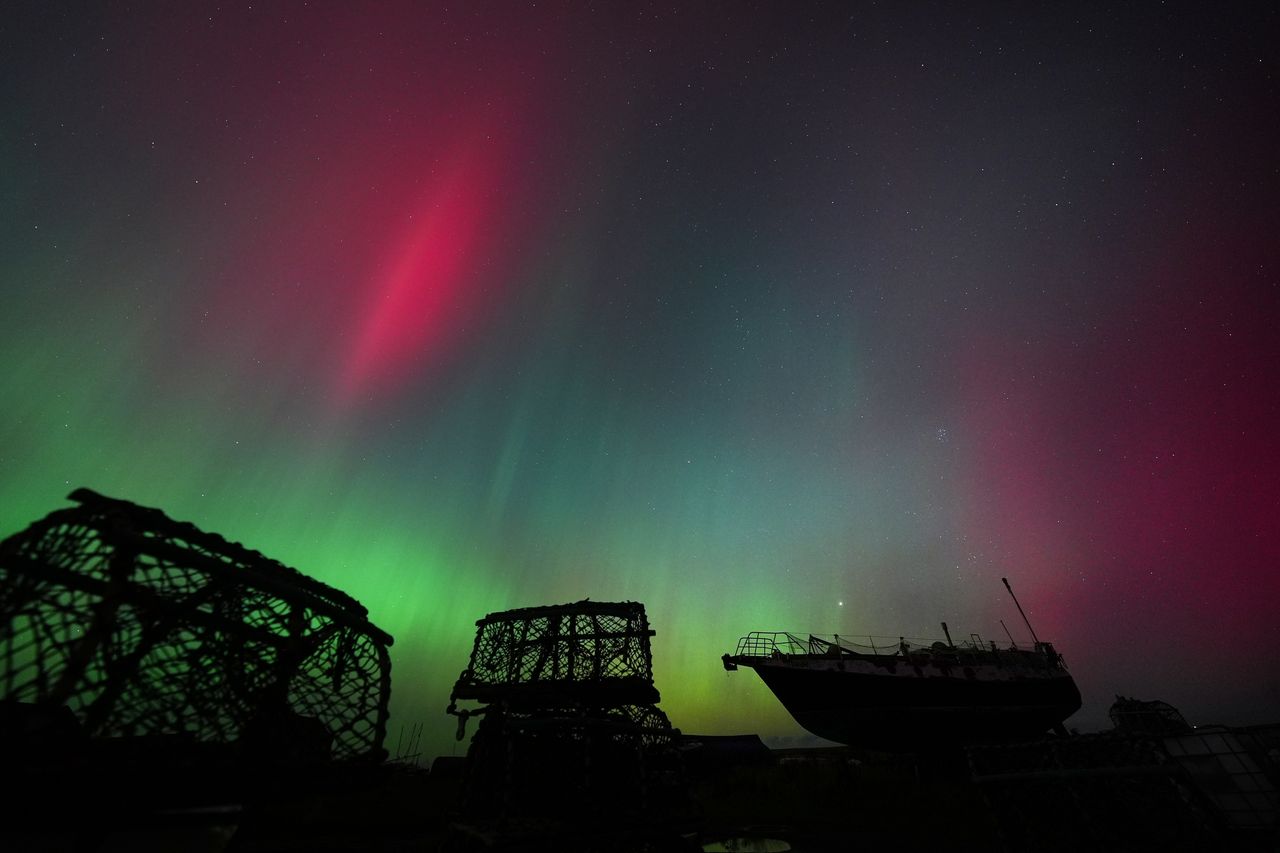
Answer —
570 732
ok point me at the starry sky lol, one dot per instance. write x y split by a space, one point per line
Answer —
820 317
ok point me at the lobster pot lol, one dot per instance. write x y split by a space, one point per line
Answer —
592 652
609 766
570 729
141 626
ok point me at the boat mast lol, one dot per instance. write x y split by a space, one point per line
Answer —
1024 615
1012 642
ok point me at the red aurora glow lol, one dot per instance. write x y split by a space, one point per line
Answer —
423 296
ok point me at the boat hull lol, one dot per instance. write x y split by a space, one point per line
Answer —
906 709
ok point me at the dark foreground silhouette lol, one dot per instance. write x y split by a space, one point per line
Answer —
164 689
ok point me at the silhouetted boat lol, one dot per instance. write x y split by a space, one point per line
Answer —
911 694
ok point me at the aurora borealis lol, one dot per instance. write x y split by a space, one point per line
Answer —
783 316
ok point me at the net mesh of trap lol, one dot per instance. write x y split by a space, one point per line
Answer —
593 653
141 625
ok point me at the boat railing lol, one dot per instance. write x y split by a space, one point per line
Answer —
764 644
768 644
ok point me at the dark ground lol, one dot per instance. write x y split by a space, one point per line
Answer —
1097 792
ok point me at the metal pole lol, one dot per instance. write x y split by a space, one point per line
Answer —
1012 642
1024 615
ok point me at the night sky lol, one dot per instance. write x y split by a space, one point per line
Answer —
769 316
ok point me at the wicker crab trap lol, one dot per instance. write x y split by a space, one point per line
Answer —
589 653
141 626
571 727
